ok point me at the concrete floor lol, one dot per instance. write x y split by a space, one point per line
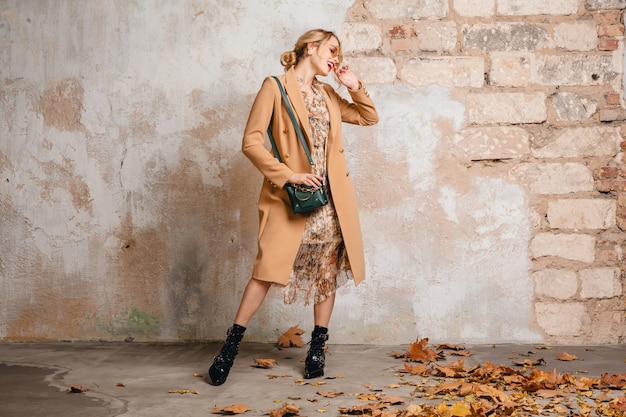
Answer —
134 379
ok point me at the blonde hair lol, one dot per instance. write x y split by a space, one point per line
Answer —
317 36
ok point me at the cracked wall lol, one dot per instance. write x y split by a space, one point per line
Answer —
128 209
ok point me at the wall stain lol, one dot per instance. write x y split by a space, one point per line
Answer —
61 106
63 176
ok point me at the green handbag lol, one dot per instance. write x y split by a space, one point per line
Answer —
304 198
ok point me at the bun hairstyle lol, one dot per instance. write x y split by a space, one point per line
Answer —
317 36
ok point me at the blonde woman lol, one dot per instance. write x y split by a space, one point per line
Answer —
309 255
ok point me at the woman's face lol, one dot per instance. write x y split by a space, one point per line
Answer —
324 58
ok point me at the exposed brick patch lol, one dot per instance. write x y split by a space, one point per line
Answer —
607 172
614 185
608 44
612 99
608 18
611 30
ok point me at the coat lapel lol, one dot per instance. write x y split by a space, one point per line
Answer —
297 103
335 122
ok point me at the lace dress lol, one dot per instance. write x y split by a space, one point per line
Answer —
321 265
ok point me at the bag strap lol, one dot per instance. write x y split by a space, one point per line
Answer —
296 126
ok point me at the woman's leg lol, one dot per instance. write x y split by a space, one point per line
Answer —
252 299
315 358
322 311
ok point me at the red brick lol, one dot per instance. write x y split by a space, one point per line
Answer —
611 30
608 18
605 186
607 172
608 44
612 99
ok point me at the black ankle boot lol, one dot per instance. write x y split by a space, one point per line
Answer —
218 372
315 359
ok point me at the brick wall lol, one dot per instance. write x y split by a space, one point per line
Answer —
542 83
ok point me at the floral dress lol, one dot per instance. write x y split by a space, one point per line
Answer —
321 265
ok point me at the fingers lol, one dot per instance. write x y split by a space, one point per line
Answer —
311 180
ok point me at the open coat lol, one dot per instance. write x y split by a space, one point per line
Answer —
280 230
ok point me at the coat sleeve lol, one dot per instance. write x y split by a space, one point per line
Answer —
361 111
253 143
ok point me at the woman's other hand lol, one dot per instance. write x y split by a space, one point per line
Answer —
307 179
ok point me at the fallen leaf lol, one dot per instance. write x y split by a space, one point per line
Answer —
183 391
614 381
421 369
291 338
618 403
419 352
530 363
329 394
231 409
75 389
285 410
392 399
120 384
265 363
460 409
564 356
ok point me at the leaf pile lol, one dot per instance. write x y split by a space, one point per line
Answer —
497 390
456 390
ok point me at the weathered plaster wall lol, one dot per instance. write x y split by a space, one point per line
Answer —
492 191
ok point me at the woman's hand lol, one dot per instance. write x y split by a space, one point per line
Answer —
347 77
307 179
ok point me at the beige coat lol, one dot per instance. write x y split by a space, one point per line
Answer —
280 231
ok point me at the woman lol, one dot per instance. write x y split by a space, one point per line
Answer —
309 255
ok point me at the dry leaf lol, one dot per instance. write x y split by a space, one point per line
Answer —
120 384
530 363
76 389
421 369
564 356
618 403
183 391
231 409
418 352
265 363
329 394
392 399
291 338
285 410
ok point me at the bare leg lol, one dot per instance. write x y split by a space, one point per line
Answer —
252 299
322 311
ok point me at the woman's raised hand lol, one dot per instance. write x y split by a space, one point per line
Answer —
347 77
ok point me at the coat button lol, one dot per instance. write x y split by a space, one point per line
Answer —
286 130
341 150
286 155
347 174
